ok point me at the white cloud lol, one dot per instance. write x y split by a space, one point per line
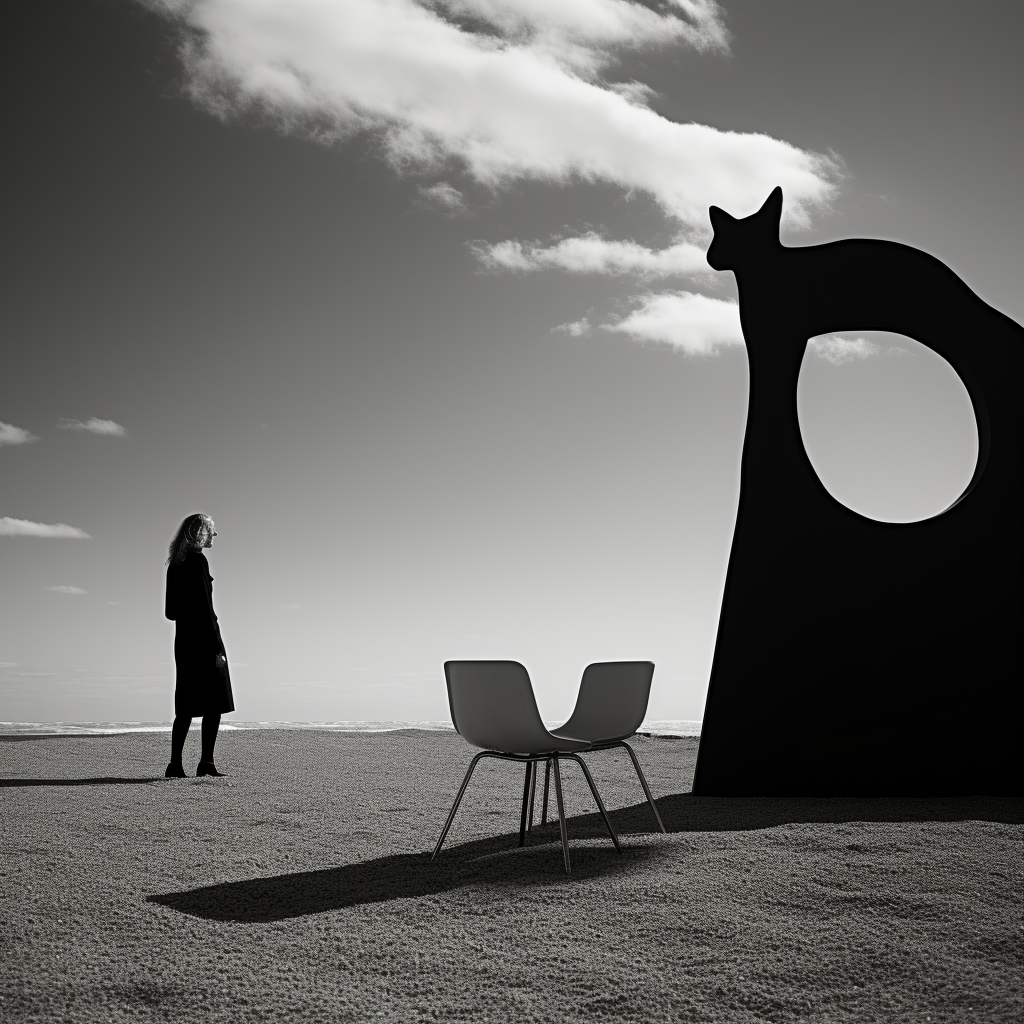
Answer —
9 664
94 426
10 434
839 350
508 89
292 606
577 328
445 197
694 323
597 22
24 528
590 254
61 589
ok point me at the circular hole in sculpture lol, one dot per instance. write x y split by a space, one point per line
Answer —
887 425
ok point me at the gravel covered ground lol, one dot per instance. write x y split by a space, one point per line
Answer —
299 889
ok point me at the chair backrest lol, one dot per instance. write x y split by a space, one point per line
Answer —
493 707
612 701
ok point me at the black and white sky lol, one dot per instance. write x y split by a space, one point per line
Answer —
411 297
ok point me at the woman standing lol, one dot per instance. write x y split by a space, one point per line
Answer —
202 683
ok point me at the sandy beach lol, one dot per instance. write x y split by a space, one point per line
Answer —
298 888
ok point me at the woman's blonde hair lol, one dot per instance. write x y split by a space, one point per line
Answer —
189 537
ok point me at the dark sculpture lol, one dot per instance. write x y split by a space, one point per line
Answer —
856 657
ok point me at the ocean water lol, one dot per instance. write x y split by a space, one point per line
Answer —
673 727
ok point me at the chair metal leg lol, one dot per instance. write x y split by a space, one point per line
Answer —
529 794
455 806
533 795
561 814
597 797
526 803
643 782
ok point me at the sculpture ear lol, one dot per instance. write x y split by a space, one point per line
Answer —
719 218
771 211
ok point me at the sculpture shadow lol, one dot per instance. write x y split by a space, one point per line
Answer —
686 812
99 781
498 862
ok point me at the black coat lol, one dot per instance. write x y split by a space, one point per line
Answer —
202 687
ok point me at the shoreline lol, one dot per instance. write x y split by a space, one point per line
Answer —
674 728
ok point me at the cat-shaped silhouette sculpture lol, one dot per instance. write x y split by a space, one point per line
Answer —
856 657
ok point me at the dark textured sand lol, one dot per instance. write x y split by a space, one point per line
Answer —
299 889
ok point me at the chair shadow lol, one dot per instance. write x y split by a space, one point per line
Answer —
498 861
101 781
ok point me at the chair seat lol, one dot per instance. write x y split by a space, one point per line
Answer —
592 742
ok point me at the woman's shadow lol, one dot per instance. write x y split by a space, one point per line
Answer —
103 780
497 861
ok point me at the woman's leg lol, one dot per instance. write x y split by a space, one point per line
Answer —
178 733
211 723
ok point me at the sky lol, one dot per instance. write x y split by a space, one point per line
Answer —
412 299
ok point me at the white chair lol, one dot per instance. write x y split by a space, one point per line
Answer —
493 707
610 706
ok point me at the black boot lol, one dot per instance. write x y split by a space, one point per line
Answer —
207 768
175 771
